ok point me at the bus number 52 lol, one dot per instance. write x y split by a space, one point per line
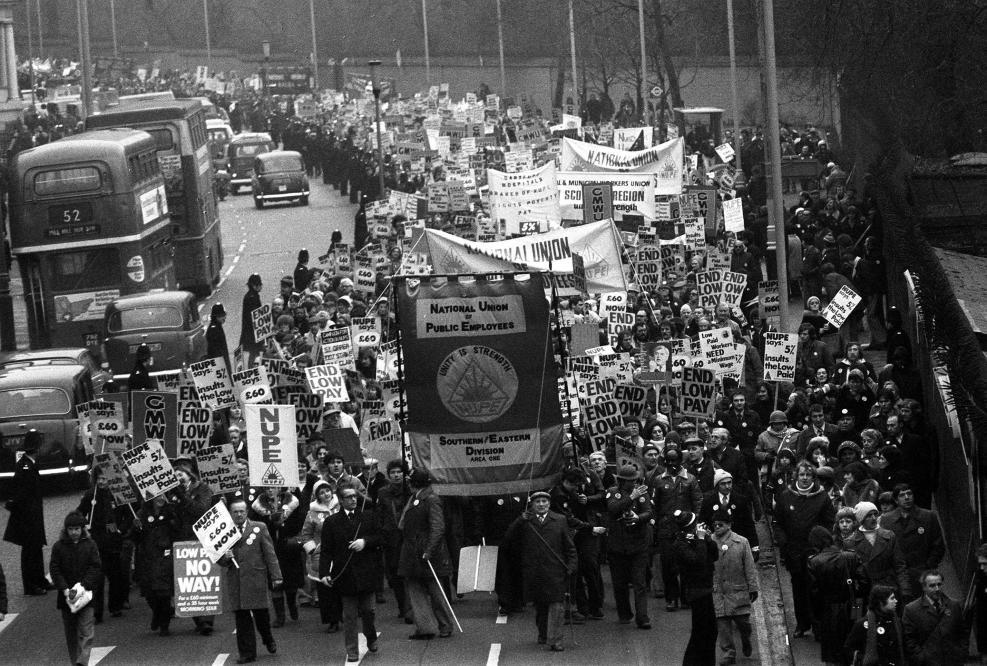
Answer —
71 215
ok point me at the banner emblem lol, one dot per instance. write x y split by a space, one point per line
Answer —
476 383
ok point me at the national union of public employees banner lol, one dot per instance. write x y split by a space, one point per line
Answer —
483 406
663 160
596 243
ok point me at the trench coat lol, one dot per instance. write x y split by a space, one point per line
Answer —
423 531
246 586
734 576
546 562
353 573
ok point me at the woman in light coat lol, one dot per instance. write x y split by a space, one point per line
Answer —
735 587
324 504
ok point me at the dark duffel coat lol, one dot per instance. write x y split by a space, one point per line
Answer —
423 531
546 562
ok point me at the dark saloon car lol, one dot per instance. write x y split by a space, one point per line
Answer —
280 176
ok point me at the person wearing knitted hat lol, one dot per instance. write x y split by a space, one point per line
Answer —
726 497
878 548
833 574
694 554
75 573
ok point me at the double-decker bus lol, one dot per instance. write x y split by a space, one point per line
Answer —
179 128
88 223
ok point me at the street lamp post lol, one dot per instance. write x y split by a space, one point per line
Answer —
380 139
205 11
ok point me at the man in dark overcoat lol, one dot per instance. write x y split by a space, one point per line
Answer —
246 585
26 525
548 558
350 564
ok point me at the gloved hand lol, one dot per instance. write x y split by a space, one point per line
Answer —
754 596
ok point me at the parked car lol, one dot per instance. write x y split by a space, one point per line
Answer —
240 154
59 356
44 397
168 321
279 176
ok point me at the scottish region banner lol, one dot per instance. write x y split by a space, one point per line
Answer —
596 243
663 160
483 405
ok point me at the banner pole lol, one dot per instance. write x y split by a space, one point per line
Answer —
562 357
777 389
397 334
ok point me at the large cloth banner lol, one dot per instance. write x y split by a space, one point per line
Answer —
596 243
631 193
483 406
526 196
663 160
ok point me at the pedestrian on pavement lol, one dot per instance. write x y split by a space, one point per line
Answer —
251 301
75 570
548 558
424 559
246 583
630 512
695 556
26 524
735 586
215 336
833 584
936 632
877 638
350 564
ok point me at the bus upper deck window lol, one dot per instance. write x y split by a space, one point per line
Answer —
64 181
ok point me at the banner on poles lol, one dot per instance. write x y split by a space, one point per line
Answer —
272 445
155 416
698 392
213 383
524 196
779 356
630 193
663 160
197 581
596 243
150 469
216 531
483 410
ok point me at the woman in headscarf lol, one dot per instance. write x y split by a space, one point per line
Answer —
324 504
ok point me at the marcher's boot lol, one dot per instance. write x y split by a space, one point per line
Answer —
278 611
292 606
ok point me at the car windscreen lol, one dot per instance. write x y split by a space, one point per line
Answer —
15 403
146 316
250 149
280 163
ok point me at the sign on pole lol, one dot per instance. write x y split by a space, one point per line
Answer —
217 468
769 301
597 202
698 392
197 581
213 383
841 306
216 531
327 381
155 416
112 468
263 322
272 445
150 469
779 356
251 386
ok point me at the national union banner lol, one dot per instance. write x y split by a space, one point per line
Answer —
483 406
663 160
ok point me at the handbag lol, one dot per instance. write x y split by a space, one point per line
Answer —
81 599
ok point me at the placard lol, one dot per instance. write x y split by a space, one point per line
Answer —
114 470
251 386
155 416
597 202
627 453
780 350
601 419
365 332
272 445
150 469
216 531
632 400
698 392
197 581
732 288
647 268
709 286
217 468
213 383
308 413
327 381
263 322
194 420
841 306
769 301
337 347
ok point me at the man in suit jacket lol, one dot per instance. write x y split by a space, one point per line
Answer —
26 526
246 584
425 557
350 564
723 497
818 427
935 632
918 532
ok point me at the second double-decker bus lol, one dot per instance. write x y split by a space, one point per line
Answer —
89 223
179 128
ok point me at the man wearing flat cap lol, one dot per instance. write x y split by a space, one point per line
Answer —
548 558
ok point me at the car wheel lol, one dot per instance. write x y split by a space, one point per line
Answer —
258 202
303 201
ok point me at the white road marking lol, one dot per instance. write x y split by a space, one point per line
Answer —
362 649
501 619
760 629
494 657
8 620
220 659
97 654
